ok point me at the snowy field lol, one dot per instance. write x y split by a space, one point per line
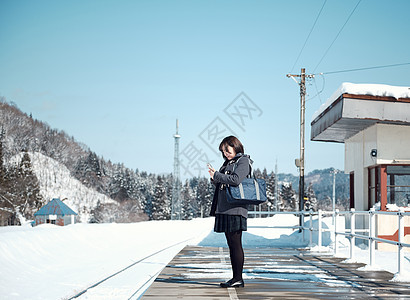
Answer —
52 262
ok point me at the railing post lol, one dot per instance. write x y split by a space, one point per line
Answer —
400 254
319 237
352 232
334 231
372 225
310 228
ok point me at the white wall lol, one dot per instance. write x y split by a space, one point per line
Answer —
392 142
354 162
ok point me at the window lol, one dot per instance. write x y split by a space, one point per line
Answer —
398 185
389 184
51 221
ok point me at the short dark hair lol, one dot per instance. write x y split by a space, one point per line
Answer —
233 142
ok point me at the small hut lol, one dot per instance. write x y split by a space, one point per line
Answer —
55 212
373 121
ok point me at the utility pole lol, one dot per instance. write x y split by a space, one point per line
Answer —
300 163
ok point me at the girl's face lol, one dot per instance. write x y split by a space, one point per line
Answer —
229 152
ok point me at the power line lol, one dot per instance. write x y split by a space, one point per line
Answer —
334 40
317 90
346 71
307 38
363 69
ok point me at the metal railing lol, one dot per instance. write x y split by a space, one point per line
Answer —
352 234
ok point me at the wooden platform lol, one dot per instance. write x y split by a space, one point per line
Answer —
195 273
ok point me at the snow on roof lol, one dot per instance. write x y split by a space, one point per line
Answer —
55 207
382 90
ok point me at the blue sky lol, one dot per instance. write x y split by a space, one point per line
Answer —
117 74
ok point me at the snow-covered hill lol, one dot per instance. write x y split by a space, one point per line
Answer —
56 182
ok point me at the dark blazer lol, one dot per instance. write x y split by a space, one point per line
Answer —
228 176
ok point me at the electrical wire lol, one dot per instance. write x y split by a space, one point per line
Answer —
345 71
363 69
307 38
323 87
317 90
334 40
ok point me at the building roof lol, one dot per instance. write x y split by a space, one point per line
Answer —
354 107
55 207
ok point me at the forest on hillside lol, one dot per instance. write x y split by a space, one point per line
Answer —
138 195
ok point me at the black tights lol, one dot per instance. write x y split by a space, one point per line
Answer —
234 240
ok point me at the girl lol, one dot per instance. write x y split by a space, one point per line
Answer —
230 218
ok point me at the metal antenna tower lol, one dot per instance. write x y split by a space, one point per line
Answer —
176 201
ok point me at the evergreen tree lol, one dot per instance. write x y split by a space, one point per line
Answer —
204 196
270 191
2 167
257 173
311 202
89 171
148 207
288 196
187 209
161 208
265 175
29 188
20 192
280 203
144 192
6 208
169 186
295 202
123 184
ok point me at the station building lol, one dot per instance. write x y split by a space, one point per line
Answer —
373 121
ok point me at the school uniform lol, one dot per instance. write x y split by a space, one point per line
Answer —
230 217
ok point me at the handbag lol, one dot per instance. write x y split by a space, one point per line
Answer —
249 191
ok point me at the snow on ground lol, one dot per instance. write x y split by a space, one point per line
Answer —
52 262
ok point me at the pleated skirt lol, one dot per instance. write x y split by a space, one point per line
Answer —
229 223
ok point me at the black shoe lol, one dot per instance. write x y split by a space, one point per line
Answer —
232 283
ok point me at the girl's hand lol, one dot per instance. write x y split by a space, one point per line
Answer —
211 172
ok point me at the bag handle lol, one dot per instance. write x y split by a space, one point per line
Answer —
250 167
248 176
